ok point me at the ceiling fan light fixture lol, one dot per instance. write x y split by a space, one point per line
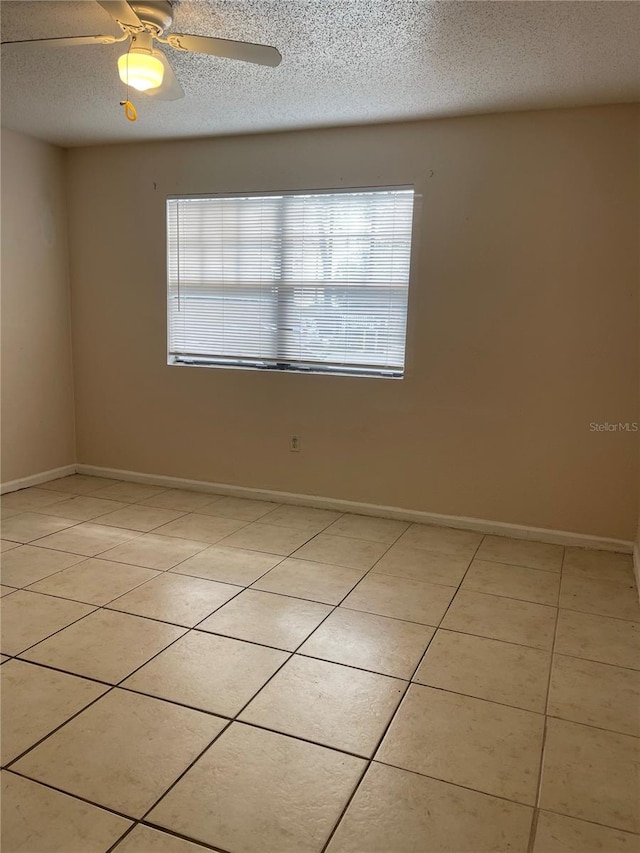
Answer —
141 70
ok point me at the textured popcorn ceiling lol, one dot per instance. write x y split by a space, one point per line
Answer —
344 62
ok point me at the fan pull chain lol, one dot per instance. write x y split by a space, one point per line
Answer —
129 110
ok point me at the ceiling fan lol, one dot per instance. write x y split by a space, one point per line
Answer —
144 67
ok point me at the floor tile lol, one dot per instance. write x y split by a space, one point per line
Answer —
302 517
26 565
78 484
108 647
394 810
176 598
110 752
600 565
385 530
127 492
273 793
502 619
521 552
88 539
367 641
401 598
36 700
466 741
242 509
313 581
30 500
598 638
341 551
420 565
268 537
82 508
205 671
560 834
600 597
143 839
140 518
202 528
37 819
487 669
154 552
262 617
6 590
228 565
181 499
5 545
441 540
591 774
94 581
28 618
596 694
6 512
29 526
327 703
513 582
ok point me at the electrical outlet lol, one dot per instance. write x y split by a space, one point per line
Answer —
294 443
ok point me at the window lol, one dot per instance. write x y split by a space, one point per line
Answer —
297 281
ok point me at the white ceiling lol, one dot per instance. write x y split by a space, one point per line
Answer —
344 62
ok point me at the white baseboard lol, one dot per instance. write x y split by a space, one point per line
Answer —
36 479
480 525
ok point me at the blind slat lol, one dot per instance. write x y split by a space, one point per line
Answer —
302 279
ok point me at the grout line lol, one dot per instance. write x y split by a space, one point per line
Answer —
594 660
175 834
420 684
593 726
66 793
533 829
301 738
392 717
9 764
509 597
368 764
592 822
457 784
242 709
234 719
68 625
534 824
137 534
107 606
483 559
296 651
186 770
122 837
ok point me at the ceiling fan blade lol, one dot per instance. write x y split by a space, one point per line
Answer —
65 41
261 54
122 13
170 90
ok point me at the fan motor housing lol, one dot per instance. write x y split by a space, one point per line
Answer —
156 15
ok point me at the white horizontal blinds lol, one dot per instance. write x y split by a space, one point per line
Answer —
224 263
313 279
345 277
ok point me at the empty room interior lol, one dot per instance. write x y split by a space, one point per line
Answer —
320 404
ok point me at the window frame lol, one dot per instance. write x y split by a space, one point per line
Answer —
300 367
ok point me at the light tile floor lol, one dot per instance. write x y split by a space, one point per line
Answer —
184 672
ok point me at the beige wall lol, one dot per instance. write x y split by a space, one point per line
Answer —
522 330
37 424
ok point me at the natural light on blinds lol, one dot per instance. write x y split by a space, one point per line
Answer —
301 281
